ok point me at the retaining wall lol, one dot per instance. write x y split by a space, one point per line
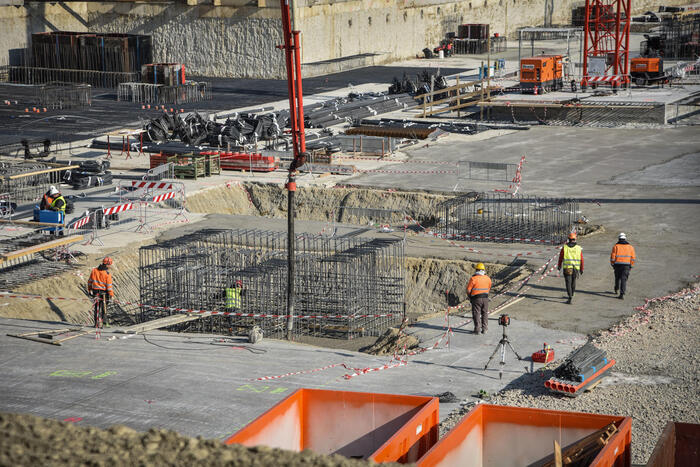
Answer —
239 41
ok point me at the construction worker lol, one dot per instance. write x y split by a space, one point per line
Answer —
233 296
622 259
47 199
478 292
100 287
58 202
571 260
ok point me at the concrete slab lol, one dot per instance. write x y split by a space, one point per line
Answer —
203 385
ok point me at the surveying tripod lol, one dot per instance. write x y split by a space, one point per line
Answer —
504 321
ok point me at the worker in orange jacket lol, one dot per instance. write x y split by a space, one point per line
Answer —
622 260
478 290
100 286
571 260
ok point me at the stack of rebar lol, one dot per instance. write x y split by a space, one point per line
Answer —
147 93
348 285
582 364
503 217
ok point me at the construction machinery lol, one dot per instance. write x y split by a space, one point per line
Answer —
645 70
541 73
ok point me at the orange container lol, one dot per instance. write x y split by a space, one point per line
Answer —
493 435
678 446
541 71
378 427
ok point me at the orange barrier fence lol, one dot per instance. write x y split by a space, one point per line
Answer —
378 427
492 435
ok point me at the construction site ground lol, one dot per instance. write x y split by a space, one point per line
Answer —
640 181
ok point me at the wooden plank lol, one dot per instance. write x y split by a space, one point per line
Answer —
41 247
45 224
557 454
39 172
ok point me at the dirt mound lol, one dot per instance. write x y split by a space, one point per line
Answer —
319 204
390 341
434 284
73 284
30 440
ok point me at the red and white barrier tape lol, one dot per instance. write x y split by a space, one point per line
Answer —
302 372
644 315
517 179
196 311
407 171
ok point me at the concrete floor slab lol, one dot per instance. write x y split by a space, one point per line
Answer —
203 385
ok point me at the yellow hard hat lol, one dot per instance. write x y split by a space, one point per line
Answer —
480 267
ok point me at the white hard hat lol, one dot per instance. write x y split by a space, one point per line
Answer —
53 190
622 236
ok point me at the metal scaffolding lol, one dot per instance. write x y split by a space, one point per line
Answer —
501 217
348 285
60 95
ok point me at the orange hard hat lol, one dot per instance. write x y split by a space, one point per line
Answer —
572 236
107 261
239 282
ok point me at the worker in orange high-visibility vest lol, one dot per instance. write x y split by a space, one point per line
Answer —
571 260
478 290
622 260
100 286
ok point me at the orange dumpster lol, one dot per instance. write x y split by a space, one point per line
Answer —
492 435
378 427
679 445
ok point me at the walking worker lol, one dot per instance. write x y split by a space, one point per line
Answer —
233 296
622 259
100 287
571 260
478 290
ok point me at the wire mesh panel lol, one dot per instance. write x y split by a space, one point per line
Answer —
344 287
501 217
491 171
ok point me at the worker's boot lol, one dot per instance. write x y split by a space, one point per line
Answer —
621 296
569 301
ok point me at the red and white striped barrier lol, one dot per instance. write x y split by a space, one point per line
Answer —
118 208
163 197
517 179
80 222
605 79
302 372
152 185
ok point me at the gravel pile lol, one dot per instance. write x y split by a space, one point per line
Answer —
28 441
655 379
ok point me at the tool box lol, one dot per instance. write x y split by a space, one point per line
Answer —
545 355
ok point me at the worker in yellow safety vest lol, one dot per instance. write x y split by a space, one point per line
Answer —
233 296
571 260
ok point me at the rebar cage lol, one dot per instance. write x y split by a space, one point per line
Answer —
344 287
502 217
